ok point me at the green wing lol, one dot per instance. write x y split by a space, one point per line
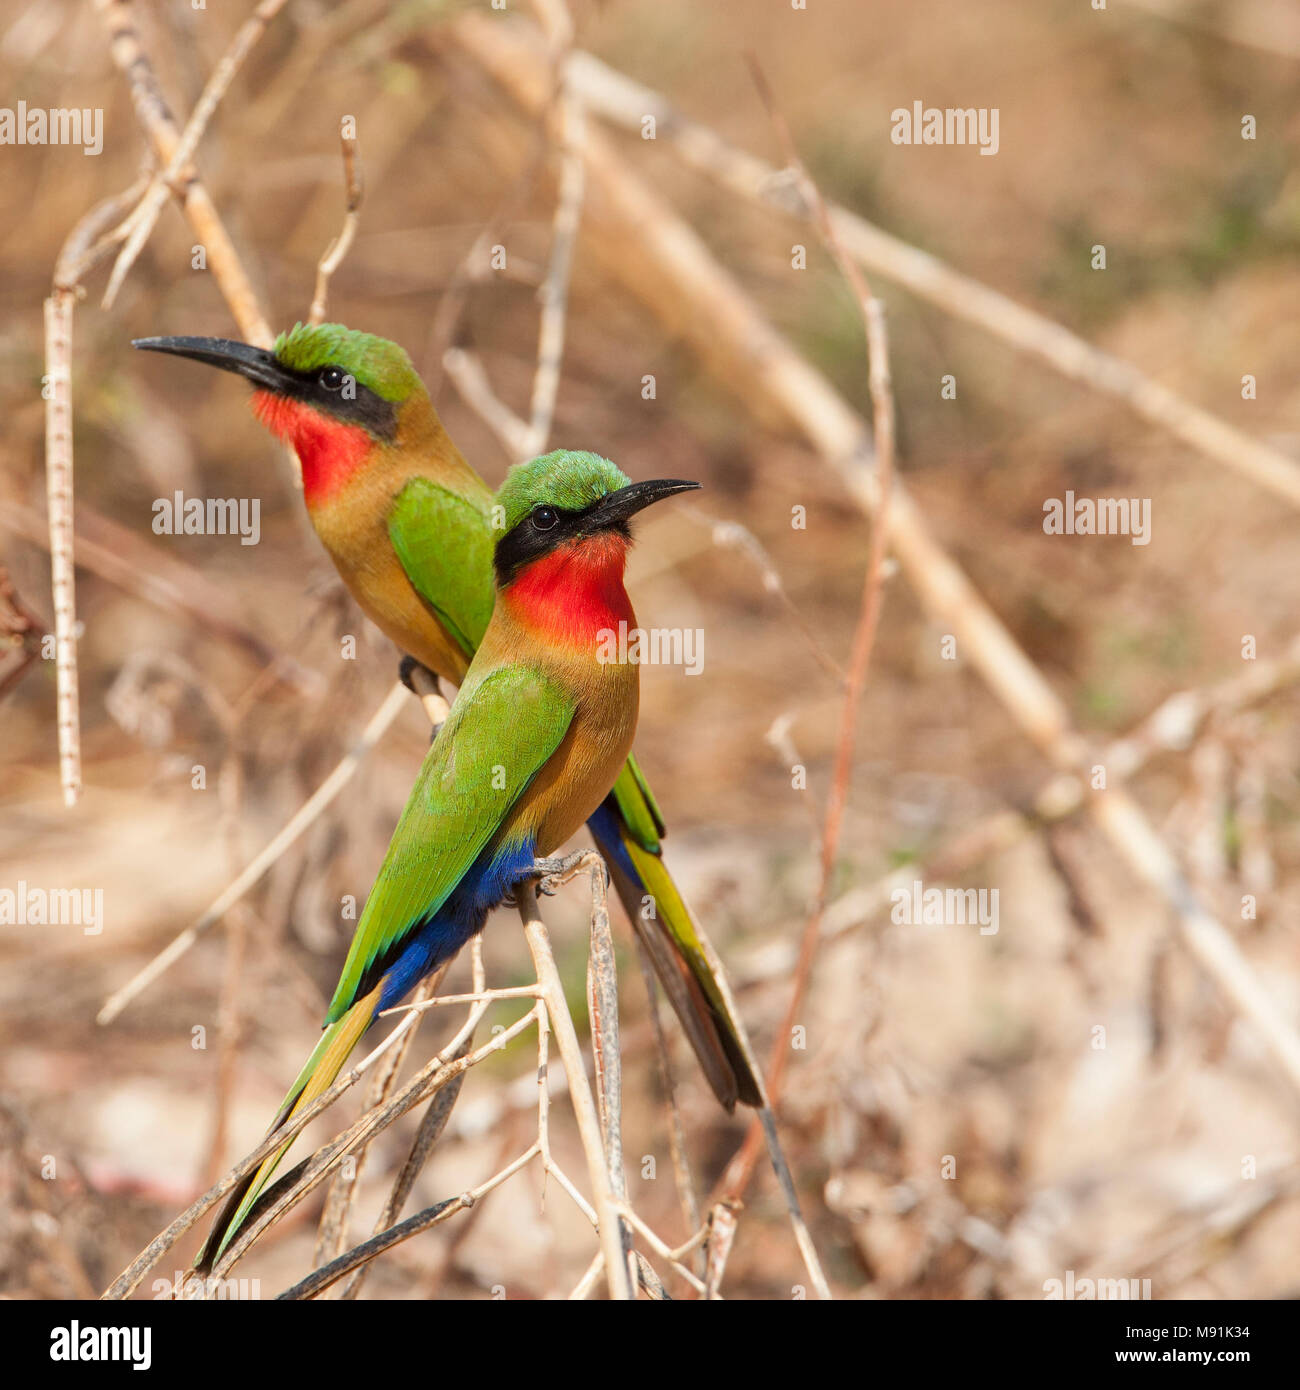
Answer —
496 739
639 809
445 545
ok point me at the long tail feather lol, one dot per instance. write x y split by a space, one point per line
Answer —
317 1076
626 829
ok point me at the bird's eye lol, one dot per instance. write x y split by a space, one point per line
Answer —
332 378
545 517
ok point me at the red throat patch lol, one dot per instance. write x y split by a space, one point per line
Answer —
330 451
575 591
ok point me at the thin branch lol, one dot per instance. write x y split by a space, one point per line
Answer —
82 249
602 1011
339 247
133 61
111 551
139 226
306 815
686 1193
612 1237
873 318
127 1282
359 1255
292 1189
58 482
554 293
331 1234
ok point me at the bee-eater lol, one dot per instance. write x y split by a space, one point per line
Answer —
408 524
533 743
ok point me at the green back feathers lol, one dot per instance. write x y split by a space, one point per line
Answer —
374 362
569 479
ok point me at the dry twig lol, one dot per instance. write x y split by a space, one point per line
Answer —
339 247
138 227
306 815
873 319
132 59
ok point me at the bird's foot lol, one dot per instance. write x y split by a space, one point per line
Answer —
552 873
422 682
410 671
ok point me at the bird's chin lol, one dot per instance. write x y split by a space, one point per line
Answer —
280 415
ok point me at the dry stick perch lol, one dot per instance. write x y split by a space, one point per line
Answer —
551 1000
443 1070
644 244
602 1011
612 1234
440 1077
616 98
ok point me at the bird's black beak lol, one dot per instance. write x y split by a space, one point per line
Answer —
614 509
255 364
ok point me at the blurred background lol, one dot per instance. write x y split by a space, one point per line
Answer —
966 1115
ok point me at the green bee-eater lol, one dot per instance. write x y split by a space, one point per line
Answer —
408 524
533 744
